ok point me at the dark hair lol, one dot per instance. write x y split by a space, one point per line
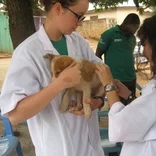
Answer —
147 31
65 3
131 19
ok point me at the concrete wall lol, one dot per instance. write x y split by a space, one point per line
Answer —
97 22
92 28
123 12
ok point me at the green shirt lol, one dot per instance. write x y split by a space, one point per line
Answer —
61 46
118 50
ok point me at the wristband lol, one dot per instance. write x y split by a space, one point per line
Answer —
100 97
130 98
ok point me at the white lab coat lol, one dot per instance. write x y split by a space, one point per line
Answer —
135 124
53 133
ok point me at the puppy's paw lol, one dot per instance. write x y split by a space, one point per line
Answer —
87 111
73 109
79 106
63 108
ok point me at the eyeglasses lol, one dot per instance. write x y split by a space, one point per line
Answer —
79 17
143 40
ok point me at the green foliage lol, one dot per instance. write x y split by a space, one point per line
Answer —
100 5
3 1
113 3
36 4
154 10
147 3
106 3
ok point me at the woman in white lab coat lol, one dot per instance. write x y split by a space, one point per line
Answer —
28 92
134 124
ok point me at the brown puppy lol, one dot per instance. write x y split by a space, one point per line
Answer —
88 83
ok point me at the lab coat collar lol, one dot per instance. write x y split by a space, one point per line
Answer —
43 37
70 46
47 45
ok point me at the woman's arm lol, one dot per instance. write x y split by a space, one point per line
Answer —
30 106
130 123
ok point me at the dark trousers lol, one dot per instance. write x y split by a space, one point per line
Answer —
113 154
132 87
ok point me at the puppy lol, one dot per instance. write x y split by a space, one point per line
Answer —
89 82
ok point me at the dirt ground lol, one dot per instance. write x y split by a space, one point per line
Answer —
24 137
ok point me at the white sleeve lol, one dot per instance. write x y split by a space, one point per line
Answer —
132 122
22 80
90 54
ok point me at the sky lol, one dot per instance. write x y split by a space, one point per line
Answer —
129 3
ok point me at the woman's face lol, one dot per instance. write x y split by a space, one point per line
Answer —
147 52
68 20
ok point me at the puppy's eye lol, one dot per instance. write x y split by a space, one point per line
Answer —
57 74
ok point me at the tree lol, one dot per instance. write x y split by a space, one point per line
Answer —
154 10
113 3
21 22
20 13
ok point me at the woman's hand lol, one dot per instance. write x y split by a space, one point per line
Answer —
70 76
104 74
123 91
95 103
105 77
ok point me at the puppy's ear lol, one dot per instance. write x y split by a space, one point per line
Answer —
62 63
49 56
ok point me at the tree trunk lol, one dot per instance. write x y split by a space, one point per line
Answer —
21 21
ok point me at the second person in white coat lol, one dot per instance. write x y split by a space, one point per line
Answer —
134 124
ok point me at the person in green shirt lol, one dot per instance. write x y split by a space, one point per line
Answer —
117 44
